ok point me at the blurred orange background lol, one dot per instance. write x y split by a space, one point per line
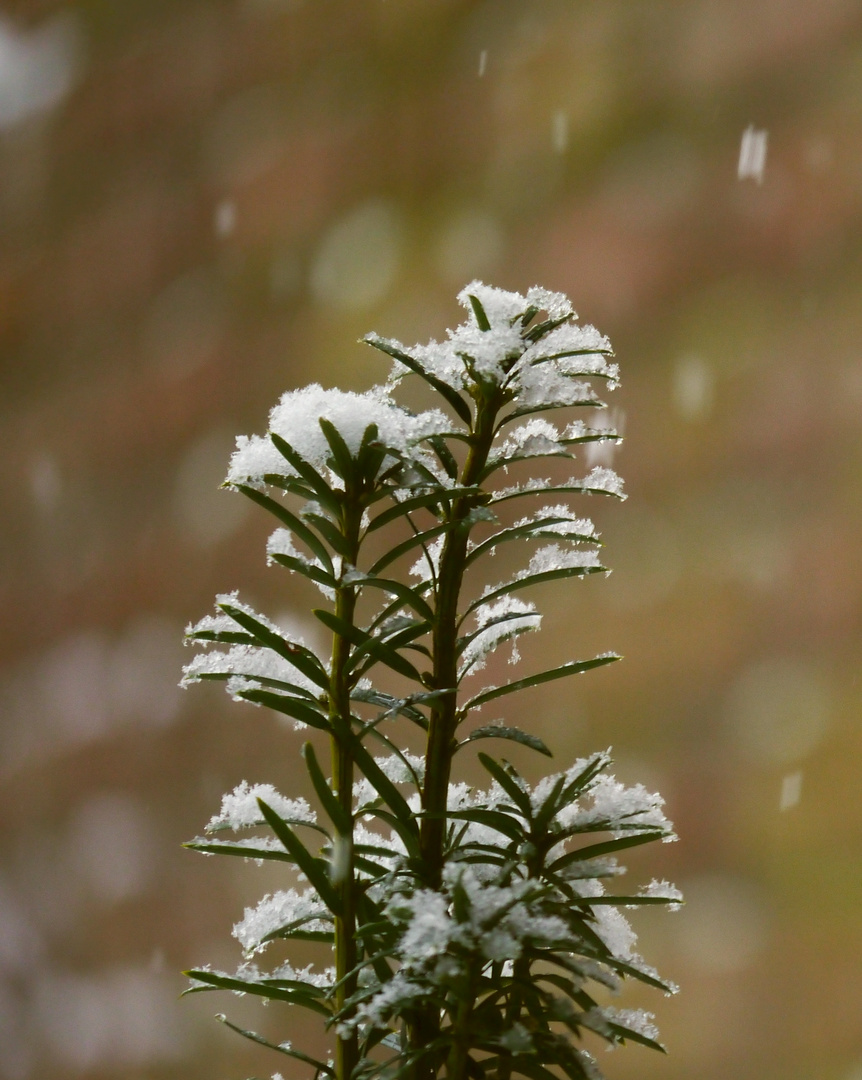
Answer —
204 203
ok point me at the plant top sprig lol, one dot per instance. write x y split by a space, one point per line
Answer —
467 927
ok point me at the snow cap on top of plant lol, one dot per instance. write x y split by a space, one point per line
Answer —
296 418
506 352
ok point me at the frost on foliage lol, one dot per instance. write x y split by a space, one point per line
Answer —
539 370
223 623
496 623
569 526
286 972
494 925
663 890
428 561
606 803
258 847
250 662
394 995
296 418
637 1020
621 808
404 769
538 437
239 808
477 918
551 558
280 542
240 662
616 932
599 480
277 911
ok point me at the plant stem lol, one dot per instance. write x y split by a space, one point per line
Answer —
444 716
456 1063
440 745
346 1049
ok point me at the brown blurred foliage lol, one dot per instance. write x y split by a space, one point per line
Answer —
203 203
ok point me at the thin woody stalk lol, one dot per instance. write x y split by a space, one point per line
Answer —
346 1049
440 744
444 717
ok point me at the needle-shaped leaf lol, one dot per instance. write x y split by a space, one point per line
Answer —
343 462
574 667
287 706
407 545
540 330
479 312
626 1033
446 392
339 816
405 593
550 806
242 851
308 473
444 454
303 659
538 528
307 569
282 1048
497 620
579 487
626 901
587 399
498 731
371 646
329 531
417 502
316 870
609 847
393 706
296 931
408 833
383 785
494 819
222 637
527 580
509 784
294 992
292 522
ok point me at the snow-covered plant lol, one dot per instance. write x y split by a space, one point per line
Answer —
472 932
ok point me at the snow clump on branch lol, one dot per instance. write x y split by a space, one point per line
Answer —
503 352
296 419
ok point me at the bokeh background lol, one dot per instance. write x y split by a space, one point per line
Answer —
206 202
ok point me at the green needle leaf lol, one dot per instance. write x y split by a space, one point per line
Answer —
574 667
314 869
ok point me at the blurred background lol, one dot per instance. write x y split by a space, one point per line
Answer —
206 202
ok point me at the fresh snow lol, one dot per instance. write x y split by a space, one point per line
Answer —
239 809
496 623
296 418
540 373
582 528
278 910
552 558
599 479
250 661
